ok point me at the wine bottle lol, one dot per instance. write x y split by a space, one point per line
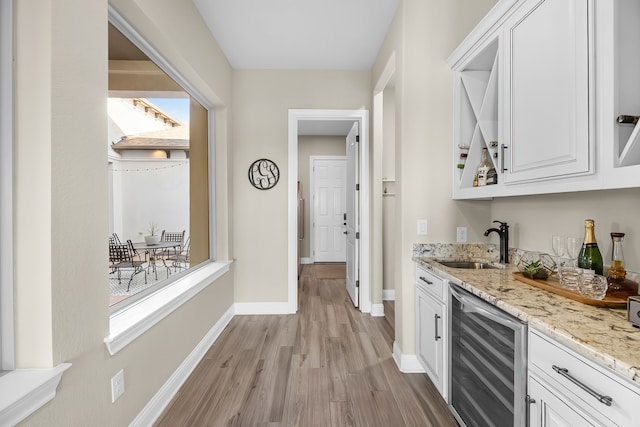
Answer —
590 256
483 168
618 285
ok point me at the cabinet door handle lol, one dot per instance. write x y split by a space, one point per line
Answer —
424 279
502 148
565 373
436 323
529 401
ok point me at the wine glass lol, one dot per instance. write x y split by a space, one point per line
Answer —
574 244
558 246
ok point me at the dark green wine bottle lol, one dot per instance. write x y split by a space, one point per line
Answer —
590 256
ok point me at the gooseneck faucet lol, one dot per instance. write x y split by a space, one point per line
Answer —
503 232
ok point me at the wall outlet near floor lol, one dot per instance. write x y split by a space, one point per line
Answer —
422 227
461 234
117 385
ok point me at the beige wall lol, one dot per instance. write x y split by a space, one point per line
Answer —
534 219
61 204
422 36
314 146
261 101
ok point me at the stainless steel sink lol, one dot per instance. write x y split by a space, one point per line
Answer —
472 265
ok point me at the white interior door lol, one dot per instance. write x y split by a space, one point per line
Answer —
352 215
329 199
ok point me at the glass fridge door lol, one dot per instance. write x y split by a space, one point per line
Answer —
488 363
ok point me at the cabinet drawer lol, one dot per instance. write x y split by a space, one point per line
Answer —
545 354
430 282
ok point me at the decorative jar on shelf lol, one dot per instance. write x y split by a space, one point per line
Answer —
535 265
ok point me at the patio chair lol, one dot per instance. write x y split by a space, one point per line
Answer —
172 236
122 257
181 259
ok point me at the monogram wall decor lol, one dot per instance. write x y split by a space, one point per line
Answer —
264 174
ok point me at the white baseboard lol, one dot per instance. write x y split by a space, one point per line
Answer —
245 308
153 409
388 295
306 261
407 363
377 310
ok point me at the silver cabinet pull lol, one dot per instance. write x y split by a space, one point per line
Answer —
502 148
565 373
424 279
436 323
529 401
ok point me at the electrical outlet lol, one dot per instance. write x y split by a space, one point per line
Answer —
117 385
422 227
461 234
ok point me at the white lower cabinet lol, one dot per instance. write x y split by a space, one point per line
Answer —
431 328
566 389
549 409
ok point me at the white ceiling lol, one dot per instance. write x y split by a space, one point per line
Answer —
299 34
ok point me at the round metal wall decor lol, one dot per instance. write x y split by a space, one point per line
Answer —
263 174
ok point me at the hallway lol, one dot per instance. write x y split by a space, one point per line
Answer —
328 365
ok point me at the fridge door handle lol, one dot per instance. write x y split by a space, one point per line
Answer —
470 306
301 219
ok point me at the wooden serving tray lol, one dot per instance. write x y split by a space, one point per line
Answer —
552 284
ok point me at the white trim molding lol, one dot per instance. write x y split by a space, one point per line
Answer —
23 391
377 310
7 332
407 363
388 295
362 117
153 409
134 320
306 261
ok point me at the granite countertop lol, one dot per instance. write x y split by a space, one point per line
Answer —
600 334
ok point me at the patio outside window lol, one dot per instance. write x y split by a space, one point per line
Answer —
158 176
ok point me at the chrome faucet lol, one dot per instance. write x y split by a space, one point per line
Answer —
503 232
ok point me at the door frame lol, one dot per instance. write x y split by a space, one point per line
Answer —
312 234
362 117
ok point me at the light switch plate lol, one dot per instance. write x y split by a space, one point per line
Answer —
422 227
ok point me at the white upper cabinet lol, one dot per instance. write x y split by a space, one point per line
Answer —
534 83
477 113
618 68
546 126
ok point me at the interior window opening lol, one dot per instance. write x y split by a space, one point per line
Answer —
158 176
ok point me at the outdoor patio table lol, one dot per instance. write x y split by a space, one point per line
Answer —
153 252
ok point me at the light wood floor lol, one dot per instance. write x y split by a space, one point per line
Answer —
328 365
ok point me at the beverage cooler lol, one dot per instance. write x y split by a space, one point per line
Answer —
488 363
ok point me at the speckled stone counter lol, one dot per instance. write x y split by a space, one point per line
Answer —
600 334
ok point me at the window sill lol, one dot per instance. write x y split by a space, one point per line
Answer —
128 324
23 391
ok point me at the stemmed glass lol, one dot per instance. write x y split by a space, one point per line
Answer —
558 246
574 244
